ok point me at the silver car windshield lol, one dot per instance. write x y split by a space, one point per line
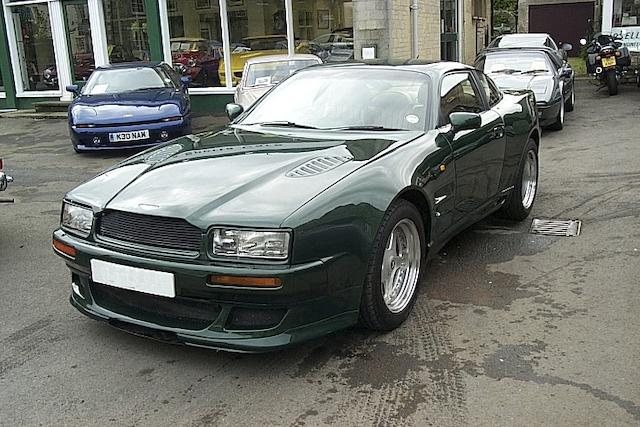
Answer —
517 62
104 82
327 98
270 73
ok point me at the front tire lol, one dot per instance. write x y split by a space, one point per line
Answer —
559 123
520 202
571 102
395 268
612 82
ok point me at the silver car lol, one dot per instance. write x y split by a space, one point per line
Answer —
262 73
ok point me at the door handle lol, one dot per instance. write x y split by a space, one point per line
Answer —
498 132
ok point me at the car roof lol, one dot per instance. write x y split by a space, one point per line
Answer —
529 37
126 65
426 67
282 58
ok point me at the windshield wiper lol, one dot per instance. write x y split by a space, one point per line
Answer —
281 123
505 71
535 71
371 128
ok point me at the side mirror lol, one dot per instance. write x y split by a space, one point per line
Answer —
234 110
185 80
465 121
73 89
583 42
567 47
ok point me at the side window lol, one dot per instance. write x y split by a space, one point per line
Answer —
458 94
491 91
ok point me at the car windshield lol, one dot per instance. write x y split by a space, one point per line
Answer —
267 43
121 80
271 73
516 62
182 46
359 98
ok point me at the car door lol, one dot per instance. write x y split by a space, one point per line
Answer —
478 154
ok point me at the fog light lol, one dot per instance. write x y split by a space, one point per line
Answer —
253 282
164 135
96 140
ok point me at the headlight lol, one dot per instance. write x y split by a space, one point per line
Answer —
77 219
251 243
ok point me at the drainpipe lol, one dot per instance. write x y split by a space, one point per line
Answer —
414 28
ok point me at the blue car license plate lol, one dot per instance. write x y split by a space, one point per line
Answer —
135 135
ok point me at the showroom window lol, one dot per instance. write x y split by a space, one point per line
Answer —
126 30
324 28
626 13
196 40
35 47
255 29
79 40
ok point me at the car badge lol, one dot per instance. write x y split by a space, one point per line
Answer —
126 116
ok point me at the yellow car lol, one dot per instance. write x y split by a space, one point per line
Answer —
252 47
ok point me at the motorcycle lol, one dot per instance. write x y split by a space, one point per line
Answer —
608 60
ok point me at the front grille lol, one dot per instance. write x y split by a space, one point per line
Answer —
148 230
179 312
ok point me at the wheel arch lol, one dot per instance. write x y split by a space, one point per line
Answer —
419 199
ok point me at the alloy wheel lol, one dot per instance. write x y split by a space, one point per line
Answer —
529 179
401 266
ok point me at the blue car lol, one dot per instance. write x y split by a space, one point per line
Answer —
129 106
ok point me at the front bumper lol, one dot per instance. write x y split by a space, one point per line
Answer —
548 112
234 319
92 139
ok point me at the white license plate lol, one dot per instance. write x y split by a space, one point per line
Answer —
134 279
135 135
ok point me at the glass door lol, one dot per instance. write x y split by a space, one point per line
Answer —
76 17
449 30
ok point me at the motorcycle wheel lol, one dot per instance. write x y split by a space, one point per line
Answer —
612 82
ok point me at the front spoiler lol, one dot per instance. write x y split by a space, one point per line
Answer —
218 340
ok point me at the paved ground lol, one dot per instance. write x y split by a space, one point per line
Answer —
509 329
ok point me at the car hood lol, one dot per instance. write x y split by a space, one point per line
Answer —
127 107
541 85
247 96
235 177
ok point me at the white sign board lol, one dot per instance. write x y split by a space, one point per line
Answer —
630 37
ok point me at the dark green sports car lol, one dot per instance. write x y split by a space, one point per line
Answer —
314 210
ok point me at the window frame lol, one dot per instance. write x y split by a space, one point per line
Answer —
474 84
478 74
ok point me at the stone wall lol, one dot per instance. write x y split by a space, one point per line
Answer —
386 24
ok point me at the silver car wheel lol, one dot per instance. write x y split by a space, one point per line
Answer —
529 179
401 266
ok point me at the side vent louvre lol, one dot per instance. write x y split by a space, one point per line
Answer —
317 166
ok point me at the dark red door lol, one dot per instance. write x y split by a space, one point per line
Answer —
566 22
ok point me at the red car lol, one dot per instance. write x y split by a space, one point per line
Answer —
198 59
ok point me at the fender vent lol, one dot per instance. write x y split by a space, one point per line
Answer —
317 166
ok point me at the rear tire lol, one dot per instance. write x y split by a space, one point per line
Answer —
520 202
612 82
395 268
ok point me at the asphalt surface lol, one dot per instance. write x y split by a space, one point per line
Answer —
510 328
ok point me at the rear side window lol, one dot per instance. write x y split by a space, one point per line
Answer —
458 94
491 91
